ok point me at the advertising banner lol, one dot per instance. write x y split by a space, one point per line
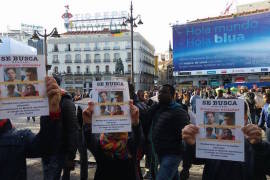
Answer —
223 46
22 86
220 123
111 110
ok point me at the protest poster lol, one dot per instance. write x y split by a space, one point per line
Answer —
111 110
83 103
22 86
220 135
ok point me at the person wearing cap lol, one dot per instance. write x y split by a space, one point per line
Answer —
17 145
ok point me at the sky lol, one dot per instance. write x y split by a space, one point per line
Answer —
157 15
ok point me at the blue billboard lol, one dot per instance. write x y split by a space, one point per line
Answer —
223 45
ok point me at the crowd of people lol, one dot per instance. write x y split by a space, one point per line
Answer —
163 132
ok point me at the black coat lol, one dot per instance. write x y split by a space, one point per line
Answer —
166 124
17 145
255 166
109 168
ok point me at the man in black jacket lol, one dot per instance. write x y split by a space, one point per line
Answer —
166 121
17 145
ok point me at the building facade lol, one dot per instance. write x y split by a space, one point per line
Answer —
165 67
82 57
253 6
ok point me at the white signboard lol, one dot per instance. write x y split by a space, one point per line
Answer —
111 110
22 86
220 123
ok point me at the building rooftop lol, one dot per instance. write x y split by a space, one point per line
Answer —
229 16
105 31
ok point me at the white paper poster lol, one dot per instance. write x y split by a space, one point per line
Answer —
111 110
220 123
22 86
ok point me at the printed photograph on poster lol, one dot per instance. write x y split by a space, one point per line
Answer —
220 135
111 110
22 87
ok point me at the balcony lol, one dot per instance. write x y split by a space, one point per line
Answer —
55 50
128 47
116 48
97 73
77 49
107 73
115 59
106 60
87 61
106 48
97 61
78 73
68 61
67 49
87 73
77 61
96 49
55 61
128 59
69 73
127 72
87 49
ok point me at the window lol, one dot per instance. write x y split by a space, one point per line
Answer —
116 46
107 68
116 56
55 70
129 68
129 56
97 69
78 69
87 47
55 59
55 48
68 69
97 58
77 48
106 57
68 48
68 57
77 58
96 46
87 58
87 69
107 46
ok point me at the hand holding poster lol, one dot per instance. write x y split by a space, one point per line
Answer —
220 135
111 110
22 86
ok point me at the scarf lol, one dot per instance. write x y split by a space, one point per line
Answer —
114 145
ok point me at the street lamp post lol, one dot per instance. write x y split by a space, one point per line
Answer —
35 37
132 21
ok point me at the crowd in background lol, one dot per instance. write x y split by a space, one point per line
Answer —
163 134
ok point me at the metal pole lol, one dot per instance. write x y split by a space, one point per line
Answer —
132 57
45 51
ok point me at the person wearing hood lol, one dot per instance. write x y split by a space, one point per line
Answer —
115 153
166 121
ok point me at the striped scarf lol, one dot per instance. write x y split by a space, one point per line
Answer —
114 145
